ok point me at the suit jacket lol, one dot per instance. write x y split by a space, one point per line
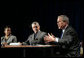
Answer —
69 43
11 39
39 39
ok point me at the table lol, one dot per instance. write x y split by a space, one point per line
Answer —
26 48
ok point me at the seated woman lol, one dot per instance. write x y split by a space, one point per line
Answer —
8 38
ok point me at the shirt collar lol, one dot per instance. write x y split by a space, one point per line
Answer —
37 32
64 28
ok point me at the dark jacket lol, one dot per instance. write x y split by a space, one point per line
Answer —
69 44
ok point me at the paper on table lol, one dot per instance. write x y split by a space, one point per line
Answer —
43 45
14 44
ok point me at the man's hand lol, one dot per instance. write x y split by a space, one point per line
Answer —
49 38
20 43
4 43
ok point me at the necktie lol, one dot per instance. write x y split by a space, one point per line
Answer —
35 36
62 35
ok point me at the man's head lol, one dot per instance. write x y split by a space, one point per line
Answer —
7 30
35 27
62 21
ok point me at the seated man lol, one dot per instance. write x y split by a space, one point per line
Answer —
8 38
37 37
68 41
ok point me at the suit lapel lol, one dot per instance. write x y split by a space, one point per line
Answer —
33 36
65 31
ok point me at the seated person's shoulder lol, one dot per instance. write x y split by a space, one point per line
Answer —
13 36
2 37
31 35
44 32
71 30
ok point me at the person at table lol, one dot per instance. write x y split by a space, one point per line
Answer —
37 37
68 41
8 38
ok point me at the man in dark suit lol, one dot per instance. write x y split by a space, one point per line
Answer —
69 43
37 37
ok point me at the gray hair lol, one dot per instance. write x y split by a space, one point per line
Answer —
35 23
65 18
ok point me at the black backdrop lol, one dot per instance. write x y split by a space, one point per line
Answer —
20 15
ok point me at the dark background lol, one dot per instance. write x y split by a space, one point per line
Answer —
19 15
